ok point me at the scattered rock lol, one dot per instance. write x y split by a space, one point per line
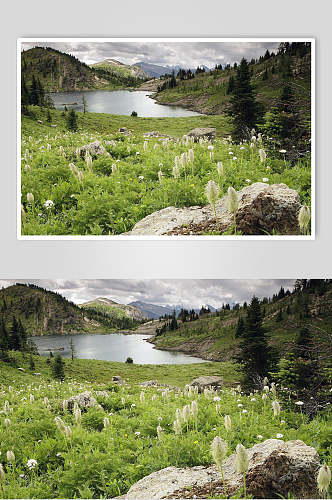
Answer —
155 383
84 400
155 133
263 209
37 374
125 131
118 380
21 369
276 469
39 121
103 394
207 381
203 133
94 149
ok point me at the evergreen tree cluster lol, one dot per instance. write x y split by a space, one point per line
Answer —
14 337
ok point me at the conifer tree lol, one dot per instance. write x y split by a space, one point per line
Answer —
14 336
255 354
240 328
72 121
244 109
58 370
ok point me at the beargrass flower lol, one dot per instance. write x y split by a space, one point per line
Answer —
220 168
159 432
324 478
191 155
194 409
60 424
10 456
212 192
232 200
30 198
186 413
299 403
160 176
2 474
106 422
68 432
219 451
7 422
262 155
228 423
176 172
177 427
242 463
304 218
78 416
276 408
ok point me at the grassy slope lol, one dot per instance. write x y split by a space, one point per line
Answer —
104 463
106 123
214 337
101 372
208 91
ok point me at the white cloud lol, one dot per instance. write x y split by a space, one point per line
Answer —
186 54
190 293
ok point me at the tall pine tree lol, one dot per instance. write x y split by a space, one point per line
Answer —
255 354
244 108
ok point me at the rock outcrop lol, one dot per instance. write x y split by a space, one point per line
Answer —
84 400
276 469
207 381
94 149
203 133
263 210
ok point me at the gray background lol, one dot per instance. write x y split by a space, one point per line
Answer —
166 259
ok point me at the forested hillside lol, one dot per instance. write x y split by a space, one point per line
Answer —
217 335
40 311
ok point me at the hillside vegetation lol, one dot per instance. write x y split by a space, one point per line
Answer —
42 312
215 336
57 71
211 92
113 309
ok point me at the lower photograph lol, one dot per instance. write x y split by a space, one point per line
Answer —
152 389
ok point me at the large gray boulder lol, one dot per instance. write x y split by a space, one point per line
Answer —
207 381
263 209
94 149
276 469
203 133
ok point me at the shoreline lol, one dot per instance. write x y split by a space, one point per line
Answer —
190 351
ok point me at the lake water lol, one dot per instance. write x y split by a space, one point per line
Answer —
112 347
118 102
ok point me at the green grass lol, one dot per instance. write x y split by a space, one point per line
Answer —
109 203
98 462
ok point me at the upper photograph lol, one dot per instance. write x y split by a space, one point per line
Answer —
165 138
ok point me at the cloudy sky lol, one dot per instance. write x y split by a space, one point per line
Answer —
185 54
190 293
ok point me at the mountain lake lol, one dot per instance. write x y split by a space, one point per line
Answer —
118 102
111 347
